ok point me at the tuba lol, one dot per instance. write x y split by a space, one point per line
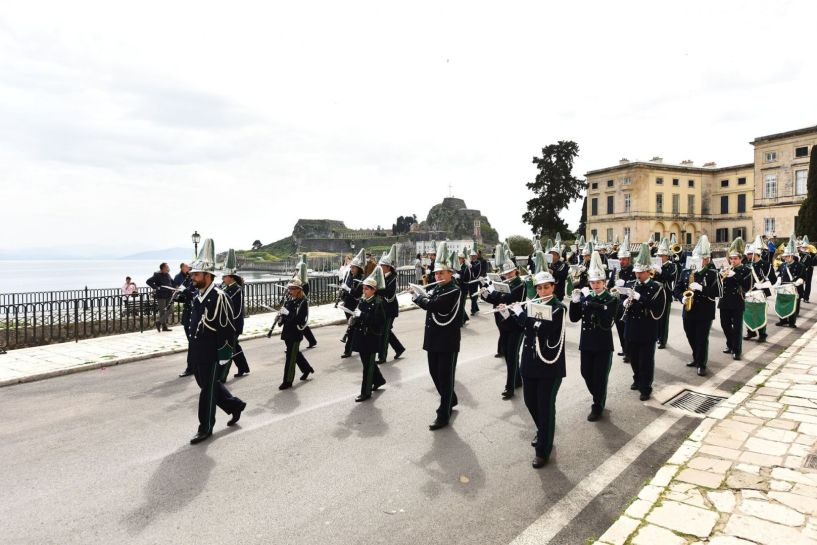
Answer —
676 248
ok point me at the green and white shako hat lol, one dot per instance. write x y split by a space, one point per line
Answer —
624 248
790 249
443 261
643 262
376 280
540 261
389 258
702 248
230 267
663 247
596 269
360 259
206 260
737 247
301 278
543 277
588 248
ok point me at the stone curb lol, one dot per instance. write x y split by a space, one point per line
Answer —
711 490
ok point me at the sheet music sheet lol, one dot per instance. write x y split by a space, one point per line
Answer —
613 264
694 262
494 277
549 258
540 311
720 262
502 287
625 291
346 310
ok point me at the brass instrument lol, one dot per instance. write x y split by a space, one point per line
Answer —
810 248
725 272
676 248
614 291
689 294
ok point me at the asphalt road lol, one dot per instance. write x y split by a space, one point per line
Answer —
103 456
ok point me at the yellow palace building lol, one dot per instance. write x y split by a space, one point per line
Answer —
654 198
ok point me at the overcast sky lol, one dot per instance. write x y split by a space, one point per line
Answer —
128 128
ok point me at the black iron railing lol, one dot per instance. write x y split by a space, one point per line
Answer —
37 318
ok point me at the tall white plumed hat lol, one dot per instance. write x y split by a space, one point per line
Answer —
702 248
596 270
206 260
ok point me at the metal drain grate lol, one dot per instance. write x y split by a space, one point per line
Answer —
694 402
810 462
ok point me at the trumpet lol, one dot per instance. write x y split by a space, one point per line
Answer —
725 272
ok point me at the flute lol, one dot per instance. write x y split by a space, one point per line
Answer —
508 307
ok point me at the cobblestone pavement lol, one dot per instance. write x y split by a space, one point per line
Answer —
39 362
747 474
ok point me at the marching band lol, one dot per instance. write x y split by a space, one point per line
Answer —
632 288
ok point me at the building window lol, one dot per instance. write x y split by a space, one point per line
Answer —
742 203
689 239
659 181
770 156
724 204
676 203
609 183
610 204
801 152
800 178
768 226
690 183
594 207
626 231
656 236
675 182
659 203
626 181
724 183
770 186
739 232
690 204
609 234
741 181
594 185
593 233
722 235
626 203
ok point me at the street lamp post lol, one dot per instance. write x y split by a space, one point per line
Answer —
196 237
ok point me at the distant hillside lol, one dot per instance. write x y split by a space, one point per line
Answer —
168 254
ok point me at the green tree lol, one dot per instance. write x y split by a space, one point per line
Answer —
554 188
807 216
581 232
521 246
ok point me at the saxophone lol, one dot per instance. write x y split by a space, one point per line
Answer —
689 294
614 291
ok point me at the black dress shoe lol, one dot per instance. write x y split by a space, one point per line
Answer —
285 385
398 354
343 356
241 374
593 416
437 424
158 327
539 462
749 335
727 350
619 353
185 373
376 386
692 364
633 386
306 375
380 362
762 339
507 394
361 397
165 328
737 357
200 436
701 371
237 414
661 346
626 359
313 345
781 323
498 356
793 326
644 396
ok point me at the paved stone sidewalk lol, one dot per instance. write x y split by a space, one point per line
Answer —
741 477
27 364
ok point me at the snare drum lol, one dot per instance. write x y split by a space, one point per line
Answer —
755 296
787 289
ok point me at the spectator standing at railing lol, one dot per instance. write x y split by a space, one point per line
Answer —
130 289
418 269
180 277
162 283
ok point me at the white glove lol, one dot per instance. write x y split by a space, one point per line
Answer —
696 286
284 311
504 312
635 295
730 274
346 288
491 288
620 283
457 276
799 282
586 291
582 268
684 300
778 281
223 362
576 296
483 291
357 313
764 285
517 309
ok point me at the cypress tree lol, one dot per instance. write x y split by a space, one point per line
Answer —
807 216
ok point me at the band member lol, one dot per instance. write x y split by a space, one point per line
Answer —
621 278
543 363
463 279
790 273
432 256
185 296
234 289
558 269
596 309
653 247
510 331
476 272
308 335
737 280
350 292
368 326
442 334
389 295
763 276
211 332
807 260
294 316
602 250
584 267
666 276
697 291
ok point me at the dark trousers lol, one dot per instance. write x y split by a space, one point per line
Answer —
732 325
162 310
595 367
792 320
474 304
293 357
622 341
807 286
642 360
213 394
510 349
697 332
240 359
389 339
463 313
309 336
371 373
540 398
442 366
663 323
751 334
